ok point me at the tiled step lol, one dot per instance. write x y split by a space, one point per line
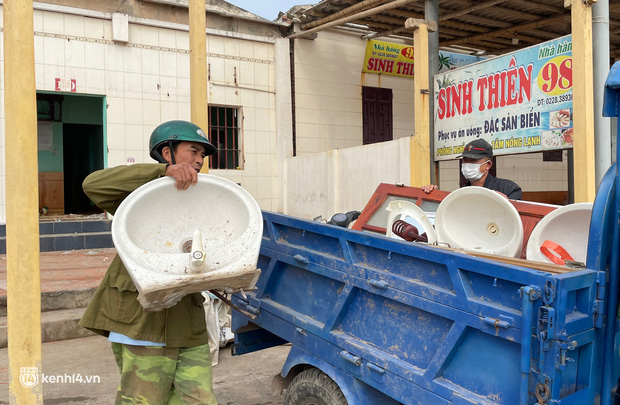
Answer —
69 226
55 326
60 313
70 241
62 227
59 300
69 235
75 241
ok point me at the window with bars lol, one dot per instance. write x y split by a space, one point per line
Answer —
224 130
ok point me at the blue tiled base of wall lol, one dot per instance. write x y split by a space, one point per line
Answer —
69 235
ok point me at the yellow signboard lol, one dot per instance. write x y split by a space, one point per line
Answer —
388 59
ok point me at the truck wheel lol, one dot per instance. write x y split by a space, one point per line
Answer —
313 387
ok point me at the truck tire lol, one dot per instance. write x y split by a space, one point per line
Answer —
313 387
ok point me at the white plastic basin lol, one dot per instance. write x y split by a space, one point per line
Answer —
567 226
153 230
479 219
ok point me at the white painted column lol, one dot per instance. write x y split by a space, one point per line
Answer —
284 117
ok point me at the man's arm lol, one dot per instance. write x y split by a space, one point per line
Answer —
510 189
107 188
515 193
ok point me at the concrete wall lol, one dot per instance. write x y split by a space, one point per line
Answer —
328 93
146 82
325 183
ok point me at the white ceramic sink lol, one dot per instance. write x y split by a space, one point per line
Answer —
154 228
479 219
567 226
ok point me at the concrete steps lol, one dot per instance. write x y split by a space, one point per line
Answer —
60 313
68 281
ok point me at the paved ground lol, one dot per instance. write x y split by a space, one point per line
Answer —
238 380
67 270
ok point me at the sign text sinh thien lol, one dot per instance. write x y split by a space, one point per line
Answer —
520 102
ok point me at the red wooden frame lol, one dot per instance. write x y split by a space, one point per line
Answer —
531 213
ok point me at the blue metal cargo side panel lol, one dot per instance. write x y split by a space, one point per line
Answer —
419 323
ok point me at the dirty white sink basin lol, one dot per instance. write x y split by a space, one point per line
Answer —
481 220
154 227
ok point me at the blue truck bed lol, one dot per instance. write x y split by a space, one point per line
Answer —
396 322
424 325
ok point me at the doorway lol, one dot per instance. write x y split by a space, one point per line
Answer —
82 150
71 139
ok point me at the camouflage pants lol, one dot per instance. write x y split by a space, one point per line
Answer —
164 375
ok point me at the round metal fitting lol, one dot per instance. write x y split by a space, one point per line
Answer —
187 246
542 393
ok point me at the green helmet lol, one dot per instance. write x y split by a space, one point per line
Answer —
170 132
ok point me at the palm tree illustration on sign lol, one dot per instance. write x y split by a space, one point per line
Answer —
444 60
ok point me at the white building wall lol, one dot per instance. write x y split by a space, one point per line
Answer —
361 169
328 93
532 174
146 82
342 180
255 93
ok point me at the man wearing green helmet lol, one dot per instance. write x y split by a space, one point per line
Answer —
163 356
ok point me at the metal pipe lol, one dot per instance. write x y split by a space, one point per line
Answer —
363 14
231 304
527 313
342 13
600 53
198 66
431 13
22 205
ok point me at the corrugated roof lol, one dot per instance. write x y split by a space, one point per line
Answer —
495 26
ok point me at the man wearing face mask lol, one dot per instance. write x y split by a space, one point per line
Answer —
477 161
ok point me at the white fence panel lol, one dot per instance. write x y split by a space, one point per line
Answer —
343 180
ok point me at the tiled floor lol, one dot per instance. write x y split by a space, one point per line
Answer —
67 270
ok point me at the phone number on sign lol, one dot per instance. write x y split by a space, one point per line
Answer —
555 99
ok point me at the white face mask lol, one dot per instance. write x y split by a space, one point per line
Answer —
471 171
